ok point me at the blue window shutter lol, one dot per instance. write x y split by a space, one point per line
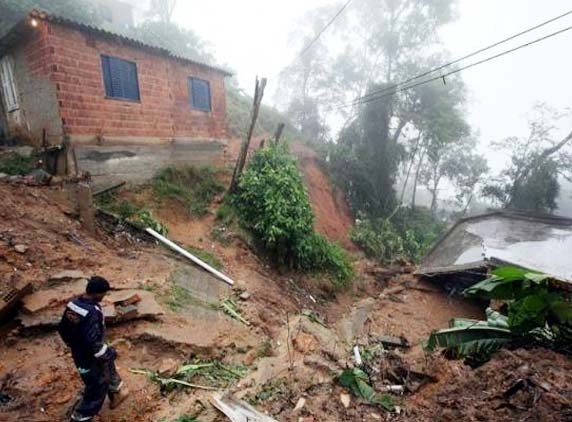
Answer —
106 76
120 77
200 94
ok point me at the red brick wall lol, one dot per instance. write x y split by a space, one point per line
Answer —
164 111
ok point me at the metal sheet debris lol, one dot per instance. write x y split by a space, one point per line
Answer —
536 242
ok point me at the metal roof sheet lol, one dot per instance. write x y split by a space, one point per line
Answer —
23 28
536 242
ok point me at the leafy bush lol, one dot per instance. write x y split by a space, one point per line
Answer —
16 164
193 187
273 204
535 313
134 214
409 234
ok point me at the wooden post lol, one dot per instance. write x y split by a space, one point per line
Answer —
278 133
258 94
86 208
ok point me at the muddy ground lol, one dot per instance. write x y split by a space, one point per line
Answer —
289 358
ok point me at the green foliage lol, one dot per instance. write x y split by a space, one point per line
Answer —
178 297
135 214
208 375
534 312
475 343
183 418
193 187
409 234
273 389
508 283
367 159
530 181
179 41
205 256
16 164
273 204
358 383
78 10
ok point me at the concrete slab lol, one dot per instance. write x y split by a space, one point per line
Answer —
43 299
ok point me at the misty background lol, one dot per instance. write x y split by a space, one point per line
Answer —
253 37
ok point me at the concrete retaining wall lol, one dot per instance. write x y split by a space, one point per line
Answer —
138 163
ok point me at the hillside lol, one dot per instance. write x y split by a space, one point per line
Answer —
299 338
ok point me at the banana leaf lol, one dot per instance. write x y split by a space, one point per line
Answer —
468 340
357 381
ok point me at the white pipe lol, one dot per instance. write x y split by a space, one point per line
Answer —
357 356
186 254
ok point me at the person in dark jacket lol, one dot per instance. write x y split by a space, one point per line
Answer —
82 329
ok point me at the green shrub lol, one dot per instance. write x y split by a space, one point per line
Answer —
15 164
193 187
409 234
134 214
272 203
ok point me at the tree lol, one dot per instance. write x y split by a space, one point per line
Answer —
367 160
161 10
180 41
302 85
78 10
530 182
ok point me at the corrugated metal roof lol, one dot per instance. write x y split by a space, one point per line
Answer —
23 28
536 242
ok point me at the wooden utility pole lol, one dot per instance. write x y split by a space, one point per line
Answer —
258 94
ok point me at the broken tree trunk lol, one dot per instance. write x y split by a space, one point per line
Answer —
258 94
278 133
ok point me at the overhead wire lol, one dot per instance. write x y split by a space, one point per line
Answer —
317 37
397 89
474 53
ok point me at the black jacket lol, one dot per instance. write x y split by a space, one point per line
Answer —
82 329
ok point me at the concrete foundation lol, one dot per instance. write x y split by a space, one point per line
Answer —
139 163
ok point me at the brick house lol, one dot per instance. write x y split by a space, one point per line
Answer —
62 79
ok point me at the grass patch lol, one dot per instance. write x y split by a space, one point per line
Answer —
128 211
15 164
205 256
178 298
195 188
264 349
276 389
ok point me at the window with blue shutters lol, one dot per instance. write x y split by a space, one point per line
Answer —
120 78
200 94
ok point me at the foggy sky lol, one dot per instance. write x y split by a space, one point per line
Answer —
252 37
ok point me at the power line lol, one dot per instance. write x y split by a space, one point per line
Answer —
442 77
422 75
325 27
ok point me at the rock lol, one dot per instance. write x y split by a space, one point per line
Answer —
304 343
68 275
307 419
345 399
3 175
250 357
244 296
301 403
375 416
168 366
21 248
